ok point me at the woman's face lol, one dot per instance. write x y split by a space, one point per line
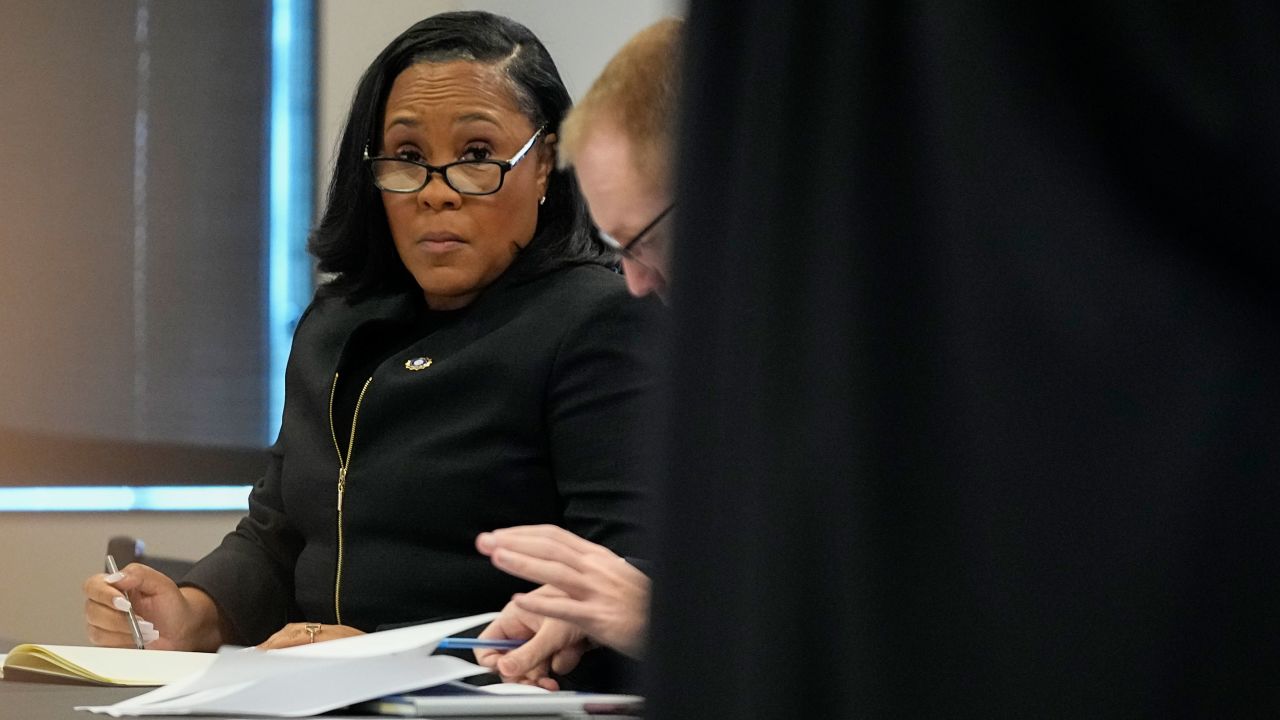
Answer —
455 245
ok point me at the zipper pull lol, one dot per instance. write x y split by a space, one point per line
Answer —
342 486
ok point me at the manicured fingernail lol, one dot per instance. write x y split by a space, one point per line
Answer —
150 637
121 604
145 626
114 577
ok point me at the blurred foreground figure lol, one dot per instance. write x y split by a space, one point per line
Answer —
978 363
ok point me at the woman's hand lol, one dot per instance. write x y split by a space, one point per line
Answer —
599 592
551 645
170 618
303 633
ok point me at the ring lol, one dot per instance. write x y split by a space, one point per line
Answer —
312 629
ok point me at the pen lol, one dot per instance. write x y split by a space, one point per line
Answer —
133 621
477 643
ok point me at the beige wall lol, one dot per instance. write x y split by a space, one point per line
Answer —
48 556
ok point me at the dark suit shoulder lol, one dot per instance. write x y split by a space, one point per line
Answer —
326 308
591 280
582 290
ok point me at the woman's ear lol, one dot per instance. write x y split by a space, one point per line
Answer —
546 160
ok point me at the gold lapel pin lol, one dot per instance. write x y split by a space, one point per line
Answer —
418 363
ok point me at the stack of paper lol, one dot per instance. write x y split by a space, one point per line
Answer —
310 679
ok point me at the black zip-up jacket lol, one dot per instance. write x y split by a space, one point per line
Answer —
529 412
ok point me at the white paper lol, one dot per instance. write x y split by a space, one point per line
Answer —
310 679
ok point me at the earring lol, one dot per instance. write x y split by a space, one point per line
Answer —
543 201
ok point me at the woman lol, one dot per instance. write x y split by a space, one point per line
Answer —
472 364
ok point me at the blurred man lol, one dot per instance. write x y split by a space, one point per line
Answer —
976 362
619 140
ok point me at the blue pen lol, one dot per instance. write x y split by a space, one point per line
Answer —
477 643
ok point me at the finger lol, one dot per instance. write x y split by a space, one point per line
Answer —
524 660
529 677
98 590
106 638
568 609
535 653
537 546
609 574
276 643
568 658
532 677
282 638
548 683
136 576
598 561
140 581
487 657
512 624
553 533
548 590
105 619
538 570
115 631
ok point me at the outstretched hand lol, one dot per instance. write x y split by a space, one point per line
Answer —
591 587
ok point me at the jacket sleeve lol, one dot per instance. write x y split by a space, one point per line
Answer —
250 575
602 441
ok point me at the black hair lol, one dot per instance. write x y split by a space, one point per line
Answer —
353 240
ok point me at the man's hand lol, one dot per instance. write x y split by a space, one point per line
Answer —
551 645
594 589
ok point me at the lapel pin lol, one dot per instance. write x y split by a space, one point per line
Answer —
418 363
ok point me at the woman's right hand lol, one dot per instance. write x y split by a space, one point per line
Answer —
167 615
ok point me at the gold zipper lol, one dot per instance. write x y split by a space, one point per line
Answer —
343 465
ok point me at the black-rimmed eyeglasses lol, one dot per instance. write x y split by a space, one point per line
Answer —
469 177
632 249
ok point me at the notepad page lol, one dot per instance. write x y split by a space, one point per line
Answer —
109 666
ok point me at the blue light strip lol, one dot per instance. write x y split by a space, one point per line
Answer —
290 185
122 499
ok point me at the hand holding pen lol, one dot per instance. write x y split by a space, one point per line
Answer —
127 606
546 646
112 617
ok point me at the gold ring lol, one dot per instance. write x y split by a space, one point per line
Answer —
312 629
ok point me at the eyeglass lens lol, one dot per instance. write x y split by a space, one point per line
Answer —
404 176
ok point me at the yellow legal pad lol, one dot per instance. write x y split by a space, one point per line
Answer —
102 666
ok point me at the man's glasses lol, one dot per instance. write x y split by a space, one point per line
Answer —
633 248
469 177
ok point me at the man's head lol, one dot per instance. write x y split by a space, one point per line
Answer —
619 139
